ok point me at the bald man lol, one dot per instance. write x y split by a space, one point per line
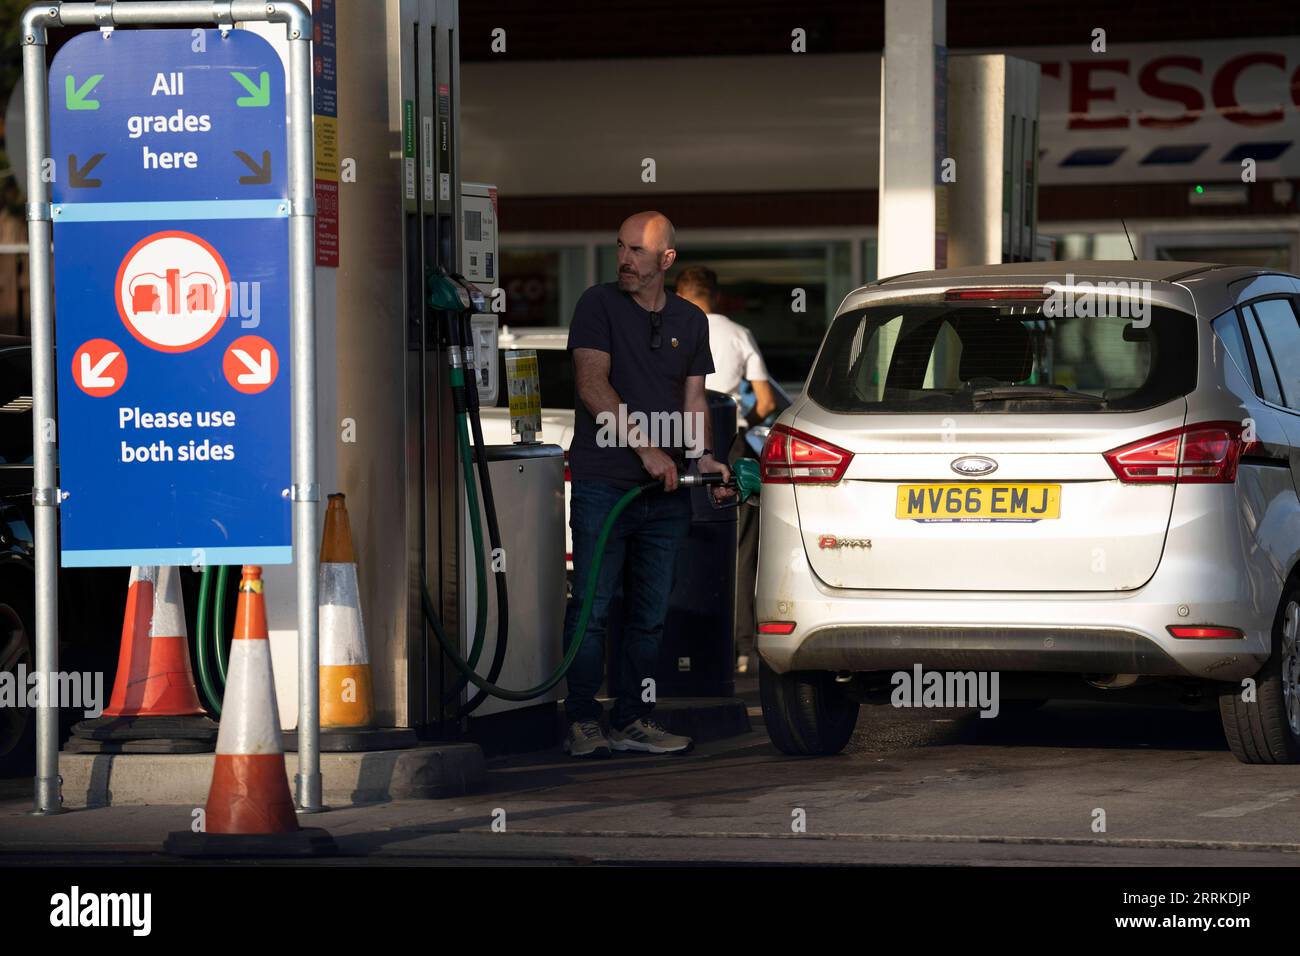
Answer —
636 349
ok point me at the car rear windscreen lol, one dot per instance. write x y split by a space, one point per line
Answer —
955 357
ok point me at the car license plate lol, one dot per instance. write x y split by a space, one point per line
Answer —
980 501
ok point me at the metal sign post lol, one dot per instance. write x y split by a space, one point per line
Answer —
174 214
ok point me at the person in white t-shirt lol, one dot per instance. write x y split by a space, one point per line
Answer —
736 357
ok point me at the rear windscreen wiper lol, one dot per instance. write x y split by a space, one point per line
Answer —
1033 393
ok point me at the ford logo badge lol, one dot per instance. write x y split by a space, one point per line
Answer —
974 465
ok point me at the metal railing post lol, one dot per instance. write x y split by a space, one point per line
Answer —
45 493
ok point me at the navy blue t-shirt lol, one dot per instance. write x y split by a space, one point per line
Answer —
647 380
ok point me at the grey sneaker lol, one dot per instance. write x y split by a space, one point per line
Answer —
585 739
645 735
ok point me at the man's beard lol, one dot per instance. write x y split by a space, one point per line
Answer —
631 282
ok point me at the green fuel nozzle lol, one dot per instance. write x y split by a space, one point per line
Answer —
744 480
452 292
445 294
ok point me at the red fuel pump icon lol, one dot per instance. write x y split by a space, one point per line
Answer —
173 294
173 291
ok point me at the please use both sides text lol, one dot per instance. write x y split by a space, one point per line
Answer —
182 450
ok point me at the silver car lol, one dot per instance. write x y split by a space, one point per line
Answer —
1079 477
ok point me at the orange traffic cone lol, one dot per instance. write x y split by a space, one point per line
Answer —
347 697
153 668
249 810
154 706
250 792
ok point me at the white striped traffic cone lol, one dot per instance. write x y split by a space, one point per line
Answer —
250 791
154 706
347 697
153 666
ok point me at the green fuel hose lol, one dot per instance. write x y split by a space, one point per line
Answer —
584 616
746 480
219 629
201 643
493 528
476 532
214 641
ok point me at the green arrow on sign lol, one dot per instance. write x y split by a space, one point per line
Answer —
259 94
76 98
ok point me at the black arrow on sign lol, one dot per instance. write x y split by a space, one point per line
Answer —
261 174
77 177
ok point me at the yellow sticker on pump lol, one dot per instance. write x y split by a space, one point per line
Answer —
978 501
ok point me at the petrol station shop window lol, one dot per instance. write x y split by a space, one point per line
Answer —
542 284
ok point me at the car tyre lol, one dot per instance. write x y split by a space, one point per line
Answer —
17 724
1267 729
806 712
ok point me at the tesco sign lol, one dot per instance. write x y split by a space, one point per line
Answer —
1146 113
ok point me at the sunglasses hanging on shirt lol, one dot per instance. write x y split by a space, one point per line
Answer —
656 324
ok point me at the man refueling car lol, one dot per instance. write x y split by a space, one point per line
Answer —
636 349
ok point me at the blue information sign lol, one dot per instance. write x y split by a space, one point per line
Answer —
171 252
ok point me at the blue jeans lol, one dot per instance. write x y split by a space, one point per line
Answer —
641 553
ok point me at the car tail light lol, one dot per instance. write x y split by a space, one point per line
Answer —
997 295
1207 453
1205 632
776 627
792 457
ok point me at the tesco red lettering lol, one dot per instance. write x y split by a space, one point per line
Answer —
1083 94
1176 79
1160 88
1224 89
